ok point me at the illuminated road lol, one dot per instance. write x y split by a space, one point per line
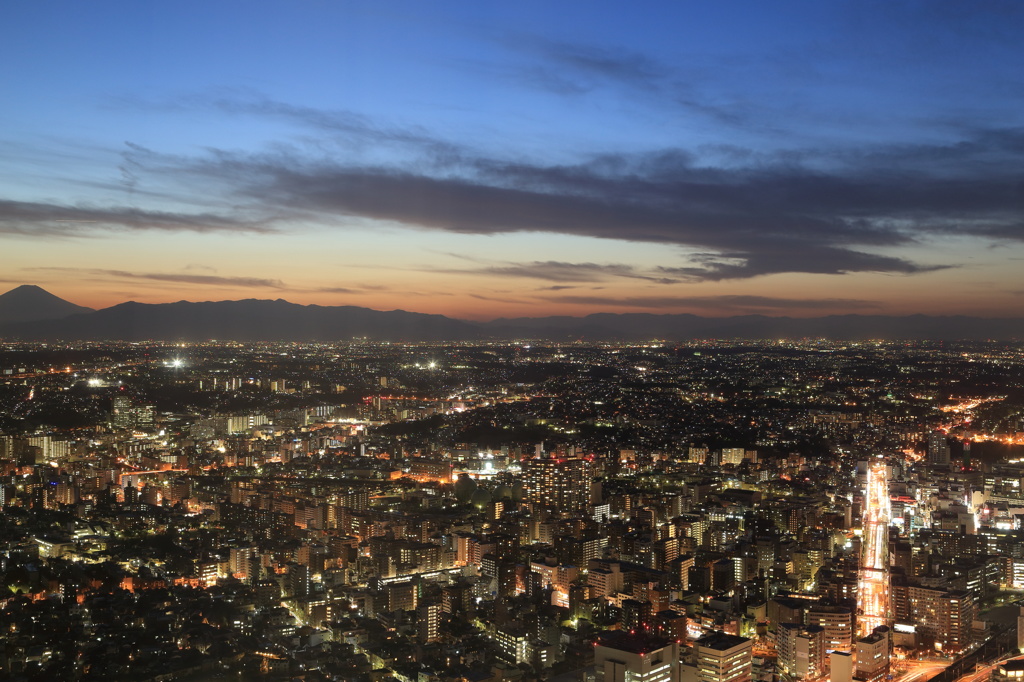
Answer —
873 607
977 665
985 671
920 671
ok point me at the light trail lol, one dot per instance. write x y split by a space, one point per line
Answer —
920 671
873 604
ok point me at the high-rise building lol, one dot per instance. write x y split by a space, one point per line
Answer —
50 449
722 657
801 650
125 413
558 483
945 616
243 563
956 620
733 455
837 622
699 455
938 449
429 622
401 596
622 656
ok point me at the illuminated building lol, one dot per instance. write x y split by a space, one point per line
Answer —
733 455
723 657
50 449
946 616
872 659
125 414
837 622
622 656
401 596
429 622
801 650
243 563
562 484
1009 671
938 449
513 644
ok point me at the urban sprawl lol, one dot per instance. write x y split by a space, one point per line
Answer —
711 511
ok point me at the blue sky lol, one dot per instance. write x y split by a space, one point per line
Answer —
489 159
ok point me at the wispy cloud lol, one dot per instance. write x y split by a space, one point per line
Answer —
180 278
557 271
730 303
496 299
609 63
337 290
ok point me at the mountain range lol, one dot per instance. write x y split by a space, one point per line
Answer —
31 313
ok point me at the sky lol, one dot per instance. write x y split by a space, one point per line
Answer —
486 160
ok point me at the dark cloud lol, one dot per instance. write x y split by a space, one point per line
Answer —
28 218
764 224
809 211
822 260
1013 231
727 302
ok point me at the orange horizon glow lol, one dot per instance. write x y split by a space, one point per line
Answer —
402 271
465 308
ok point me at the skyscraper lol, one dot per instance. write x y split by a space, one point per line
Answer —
938 449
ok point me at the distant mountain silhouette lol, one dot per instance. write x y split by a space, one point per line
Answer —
29 303
263 320
247 320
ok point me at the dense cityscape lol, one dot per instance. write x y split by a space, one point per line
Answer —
709 511
512 341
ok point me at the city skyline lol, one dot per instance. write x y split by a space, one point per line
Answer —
497 161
